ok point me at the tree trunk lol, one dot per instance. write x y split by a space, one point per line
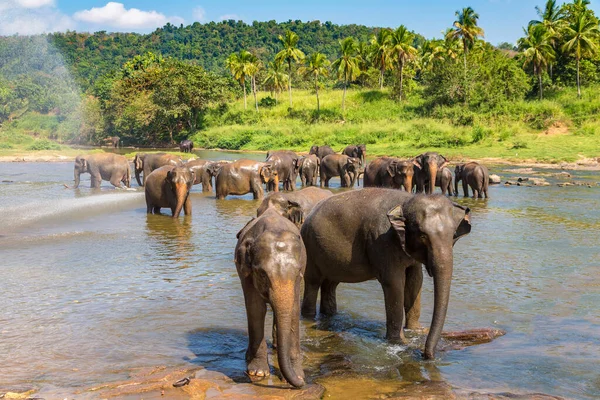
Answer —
254 91
290 81
540 82
550 71
401 77
381 79
317 91
245 103
465 69
578 84
344 96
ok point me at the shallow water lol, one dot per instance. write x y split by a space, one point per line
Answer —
92 287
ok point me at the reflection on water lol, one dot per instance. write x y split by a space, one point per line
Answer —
92 286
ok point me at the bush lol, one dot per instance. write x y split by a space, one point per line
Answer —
267 102
480 133
44 144
6 146
519 144
587 130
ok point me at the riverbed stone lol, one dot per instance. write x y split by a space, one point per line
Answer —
563 175
495 179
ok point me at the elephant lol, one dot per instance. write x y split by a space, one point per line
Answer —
245 176
186 146
108 166
285 163
475 175
339 165
169 186
294 206
443 180
309 170
425 171
384 234
205 171
321 151
359 151
148 162
112 140
270 259
389 172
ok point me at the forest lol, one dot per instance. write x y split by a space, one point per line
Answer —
190 81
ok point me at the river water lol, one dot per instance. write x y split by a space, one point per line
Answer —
92 287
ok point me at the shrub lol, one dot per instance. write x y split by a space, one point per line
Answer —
480 133
519 144
44 144
267 102
6 146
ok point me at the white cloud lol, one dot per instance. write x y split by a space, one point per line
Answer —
227 17
30 17
199 14
35 3
116 15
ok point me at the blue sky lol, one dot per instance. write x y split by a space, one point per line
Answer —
502 20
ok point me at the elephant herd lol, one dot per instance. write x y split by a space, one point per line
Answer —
320 238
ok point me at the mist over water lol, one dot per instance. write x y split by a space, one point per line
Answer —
92 288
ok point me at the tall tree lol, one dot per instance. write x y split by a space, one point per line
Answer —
346 65
235 65
276 79
316 66
538 51
581 36
381 56
290 53
253 66
401 41
552 18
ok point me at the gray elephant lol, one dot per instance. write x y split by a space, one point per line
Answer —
148 162
294 206
475 175
384 234
245 176
186 146
443 180
339 165
321 151
205 171
105 166
309 170
426 167
389 172
285 163
113 141
169 186
270 259
358 151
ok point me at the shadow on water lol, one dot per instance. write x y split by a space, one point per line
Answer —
170 238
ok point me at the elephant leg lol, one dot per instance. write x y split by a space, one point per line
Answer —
312 283
256 310
393 293
475 192
187 206
156 210
96 180
116 181
328 299
465 188
257 190
412 296
303 180
148 209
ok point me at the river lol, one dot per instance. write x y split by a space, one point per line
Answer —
92 287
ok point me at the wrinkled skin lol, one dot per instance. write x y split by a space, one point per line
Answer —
169 186
245 176
321 151
426 167
359 151
270 259
389 172
309 170
106 166
294 206
148 162
285 164
475 175
339 165
186 146
384 234
443 180
205 171
113 141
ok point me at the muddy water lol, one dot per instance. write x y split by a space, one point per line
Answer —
92 287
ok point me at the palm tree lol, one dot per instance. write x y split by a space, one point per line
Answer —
380 43
290 53
538 51
316 66
253 65
402 50
346 65
450 47
276 79
552 18
235 64
580 37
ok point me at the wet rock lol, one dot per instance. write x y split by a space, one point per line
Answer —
495 179
564 184
563 175
465 394
427 390
26 394
474 336
524 171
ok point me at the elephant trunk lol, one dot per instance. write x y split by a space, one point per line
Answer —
181 194
408 184
137 176
433 168
282 302
440 264
77 173
456 179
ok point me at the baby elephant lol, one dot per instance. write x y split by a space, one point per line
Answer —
270 259
475 175
169 186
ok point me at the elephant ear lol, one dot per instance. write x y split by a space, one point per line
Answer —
138 162
84 164
462 218
295 213
267 173
443 162
398 222
170 176
392 168
417 161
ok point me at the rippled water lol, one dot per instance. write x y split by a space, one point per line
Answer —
92 287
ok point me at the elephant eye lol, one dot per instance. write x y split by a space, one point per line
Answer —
423 238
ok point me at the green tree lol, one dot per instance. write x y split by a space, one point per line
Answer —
346 65
240 65
552 19
316 66
276 80
538 51
290 53
402 50
381 56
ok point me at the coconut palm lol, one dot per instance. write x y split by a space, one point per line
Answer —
380 43
236 63
276 80
253 66
290 53
346 65
581 35
466 29
316 65
538 51
552 18
449 47
402 50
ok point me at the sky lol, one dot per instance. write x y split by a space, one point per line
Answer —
502 20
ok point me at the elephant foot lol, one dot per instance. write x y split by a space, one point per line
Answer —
297 365
413 326
401 339
259 367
